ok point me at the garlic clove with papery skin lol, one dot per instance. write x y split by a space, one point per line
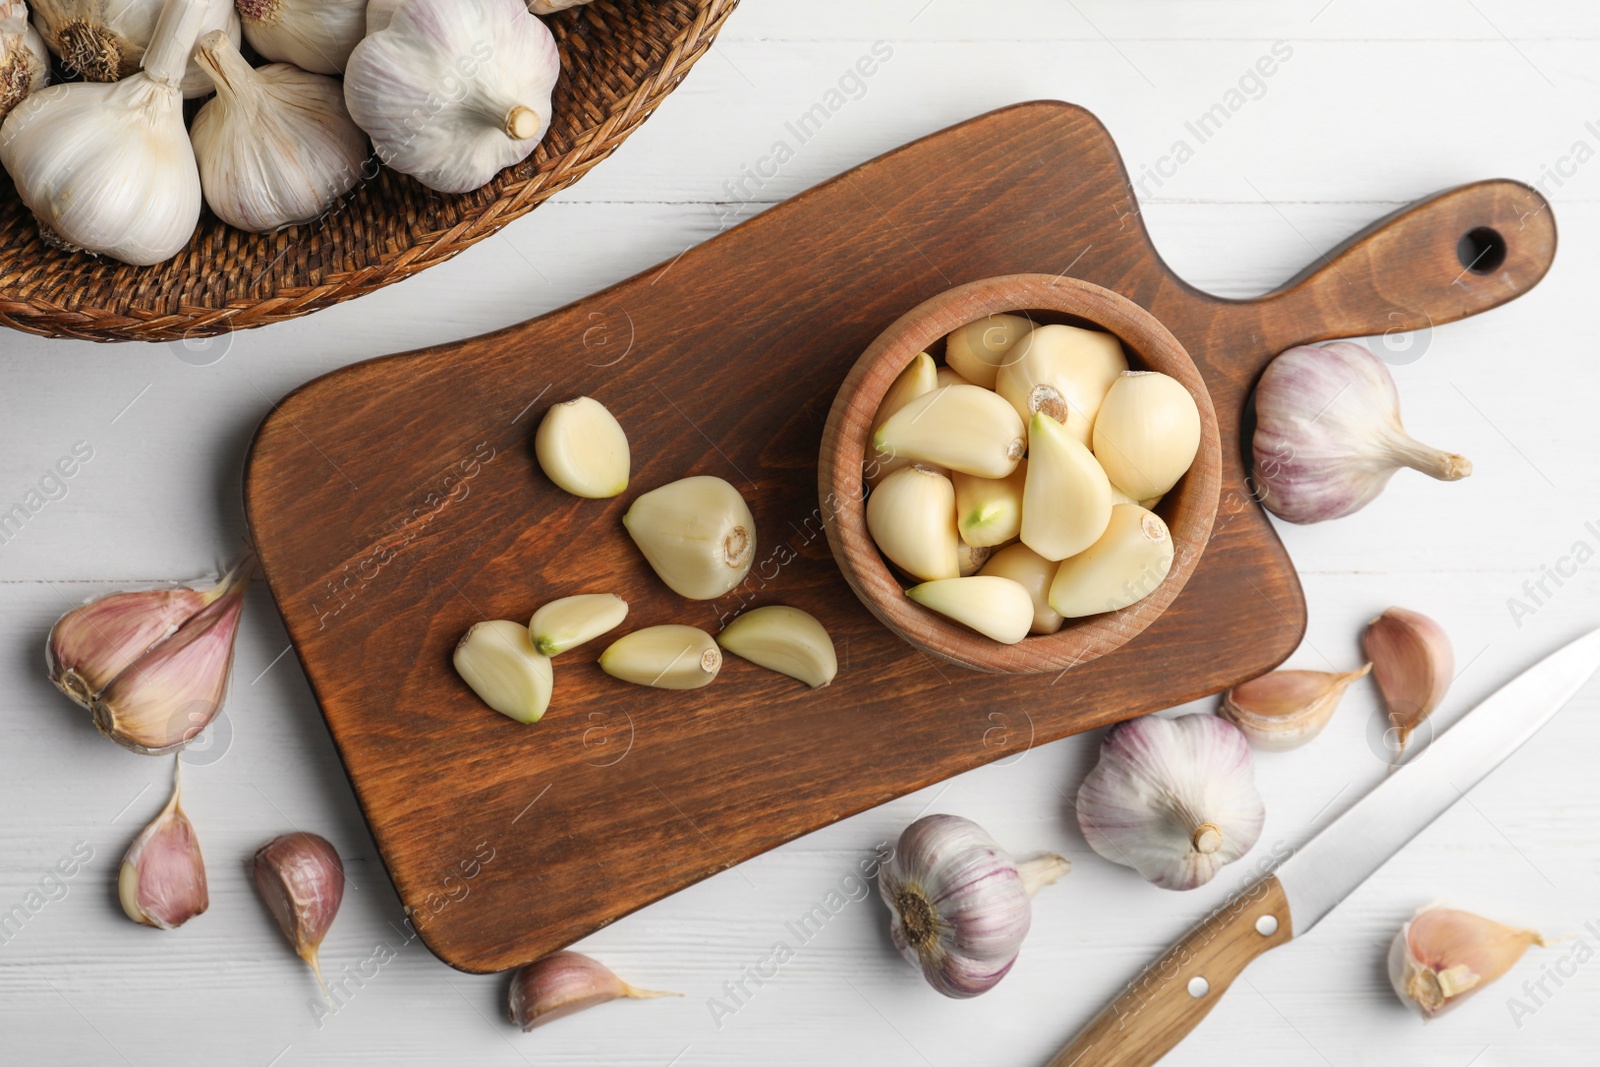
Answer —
565 983
996 607
301 880
1034 573
959 905
1146 433
1064 372
664 657
583 449
1413 663
24 61
1127 563
783 639
569 622
911 516
1281 710
496 658
1443 956
314 35
461 141
1328 434
1175 799
697 534
979 349
1066 500
162 881
961 427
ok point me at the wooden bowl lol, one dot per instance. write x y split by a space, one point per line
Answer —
1188 509
619 59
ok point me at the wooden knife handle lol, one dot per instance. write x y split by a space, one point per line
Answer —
1174 993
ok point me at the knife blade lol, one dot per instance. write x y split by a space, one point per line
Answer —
1174 993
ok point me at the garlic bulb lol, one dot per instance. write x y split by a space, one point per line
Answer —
962 427
452 93
1066 500
697 534
275 145
550 7
783 639
1034 573
24 63
665 657
1281 710
162 881
1146 433
1126 564
911 516
1328 434
565 983
1413 663
583 449
572 620
1443 956
1175 799
497 659
1064 372
105 40
989 510
314 35
301 880
959 905
107 168
996 607
380 13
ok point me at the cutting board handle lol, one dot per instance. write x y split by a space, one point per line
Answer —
1455 254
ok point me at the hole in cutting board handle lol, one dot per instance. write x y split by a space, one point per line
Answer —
1481 250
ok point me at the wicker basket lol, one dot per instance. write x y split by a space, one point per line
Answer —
619 59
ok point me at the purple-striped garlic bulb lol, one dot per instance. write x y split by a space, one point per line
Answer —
959 904
1328 434
1175 799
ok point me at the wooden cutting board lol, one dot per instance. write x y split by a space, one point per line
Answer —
397 502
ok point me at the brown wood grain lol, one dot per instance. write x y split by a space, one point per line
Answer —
396 502
1158 1008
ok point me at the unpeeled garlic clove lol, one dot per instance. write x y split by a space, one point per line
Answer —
301 880
1285 709
1126 564
497 659
977 350
162 882
996 607
1413 664
1443 956
1066 500
1063 372
666 657
697 534
783 639
989 510
572 620
1147 433
91 645
168 695
583 449
911 516
565 983
1034 573
962 427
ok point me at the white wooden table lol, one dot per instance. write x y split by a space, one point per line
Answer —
1379 103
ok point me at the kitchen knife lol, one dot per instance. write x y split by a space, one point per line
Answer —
1172 995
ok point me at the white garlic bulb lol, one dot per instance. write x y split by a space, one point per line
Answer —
1175 799
24 63
380 13
453 93
275 146
105 40
314 35
107 167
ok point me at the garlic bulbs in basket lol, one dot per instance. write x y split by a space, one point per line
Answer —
314 35
452 93
24 64
276 146
105 40
107 167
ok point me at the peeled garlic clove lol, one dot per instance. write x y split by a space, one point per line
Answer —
783 639
970 560
911 517
572 620
1129 561
1066 500
920 376
697 533
314 35
498 660
1147 433
989 510
162 882
24 63
565 983
666 657
1175 799
301 879
495 48
581 447
959 905
1034 573
1285 709
172 692
1328 434
946 376
996 607
962 427
1443 956
977 350
1063 372
1413 663
880 467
